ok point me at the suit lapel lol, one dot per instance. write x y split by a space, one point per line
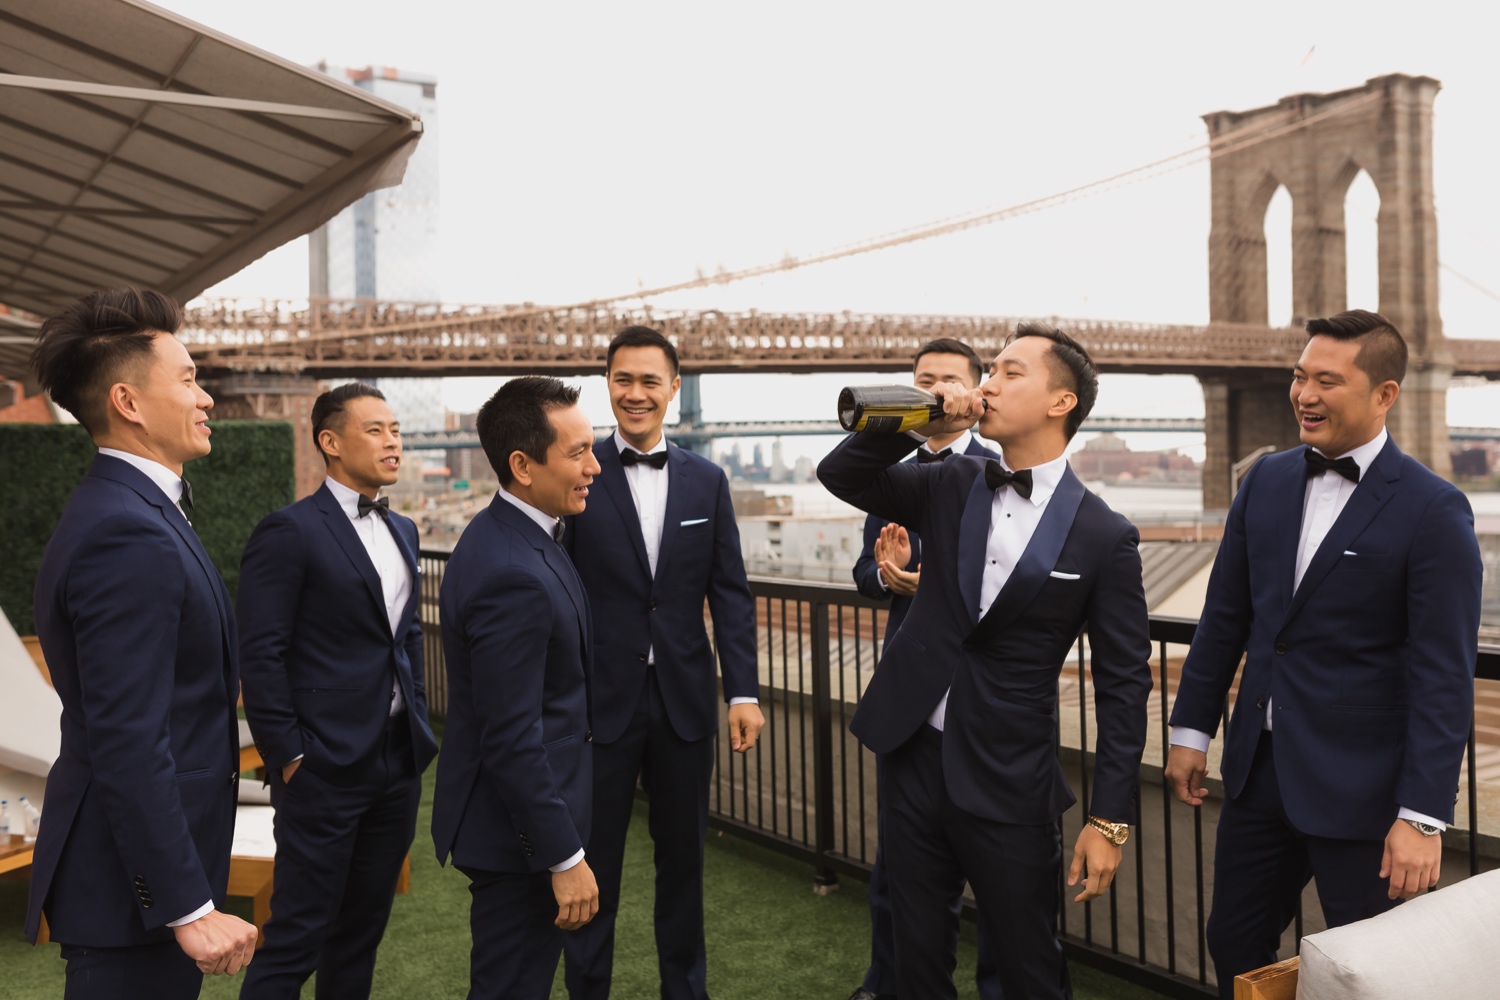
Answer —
973 535
677 473
337 523
556 559
612 475
1039 556
409 554
1375 488
1289 488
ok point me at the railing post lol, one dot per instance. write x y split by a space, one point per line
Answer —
824 881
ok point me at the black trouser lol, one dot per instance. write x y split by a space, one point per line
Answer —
932 847
675 774
1261 866
516 942
146 972
338 856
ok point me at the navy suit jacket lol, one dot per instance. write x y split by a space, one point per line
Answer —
1370 663
138 632
515 778
316 649
635 612
867 570
1081 569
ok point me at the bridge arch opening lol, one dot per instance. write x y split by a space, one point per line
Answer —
1278 235
1362 243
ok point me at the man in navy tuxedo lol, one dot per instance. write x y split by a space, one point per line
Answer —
1349 580
331 652
1017 558
889 568
515 780
658 540
132 859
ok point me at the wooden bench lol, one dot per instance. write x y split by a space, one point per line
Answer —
1273 982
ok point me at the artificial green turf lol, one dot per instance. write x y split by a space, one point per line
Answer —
769 936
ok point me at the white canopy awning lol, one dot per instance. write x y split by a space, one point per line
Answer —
137 147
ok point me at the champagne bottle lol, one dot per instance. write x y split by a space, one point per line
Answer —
887 409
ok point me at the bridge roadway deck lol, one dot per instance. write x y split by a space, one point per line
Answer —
328 338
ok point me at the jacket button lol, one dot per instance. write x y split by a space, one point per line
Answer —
1260 703
234 776
588 737
651 606
1281 649
641 657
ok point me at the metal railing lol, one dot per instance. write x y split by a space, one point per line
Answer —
809 789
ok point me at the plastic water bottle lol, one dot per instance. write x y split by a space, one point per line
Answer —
32 818
4 824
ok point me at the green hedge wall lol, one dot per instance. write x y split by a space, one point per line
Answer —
248 474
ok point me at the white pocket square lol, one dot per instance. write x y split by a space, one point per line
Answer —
1065 576
1350 552
689 524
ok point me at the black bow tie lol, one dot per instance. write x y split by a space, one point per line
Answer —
657 459
1317 462
381 506
996 476
557 531
186 500
924 456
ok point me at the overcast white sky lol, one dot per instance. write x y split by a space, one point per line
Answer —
590 148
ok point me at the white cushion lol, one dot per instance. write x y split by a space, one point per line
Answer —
30 711
1437 945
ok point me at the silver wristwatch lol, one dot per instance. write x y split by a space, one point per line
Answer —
1425 829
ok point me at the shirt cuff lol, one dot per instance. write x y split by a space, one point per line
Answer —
197 914
880 578
743 701
1193 739
570 863
1417 817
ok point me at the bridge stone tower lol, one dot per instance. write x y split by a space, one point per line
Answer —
1315 145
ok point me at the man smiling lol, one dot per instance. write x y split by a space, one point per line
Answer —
1349 581
658 541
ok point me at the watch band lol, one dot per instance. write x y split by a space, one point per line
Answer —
1115 833
1425 829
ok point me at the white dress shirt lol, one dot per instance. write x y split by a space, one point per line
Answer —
648 489
379 540
547 523
1326 495
171 486
1013 520
959 447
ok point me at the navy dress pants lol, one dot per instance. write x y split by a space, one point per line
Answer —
147 972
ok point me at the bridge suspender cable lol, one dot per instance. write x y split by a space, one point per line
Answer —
1208 151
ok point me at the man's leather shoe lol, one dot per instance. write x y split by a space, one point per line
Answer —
864 994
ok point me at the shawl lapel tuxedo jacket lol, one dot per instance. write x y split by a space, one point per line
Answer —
1369 663
636 612
515 777
867 569
1082 569
138 632
317 651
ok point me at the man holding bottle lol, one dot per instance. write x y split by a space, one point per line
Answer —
889 568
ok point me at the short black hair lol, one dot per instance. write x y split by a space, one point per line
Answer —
328 409
516 419
641 336
1382 350
947 345
1072 369
95 343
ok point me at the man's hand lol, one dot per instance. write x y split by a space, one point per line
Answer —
219 942
577 896
290 769
1186 770
1096 856
962 409
892 553
745 724
1411 861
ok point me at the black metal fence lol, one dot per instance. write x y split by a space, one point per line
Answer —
809 788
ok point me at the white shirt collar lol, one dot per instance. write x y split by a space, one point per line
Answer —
621 444
959 447
542 519
169 481
346 497
1364 455
1044 478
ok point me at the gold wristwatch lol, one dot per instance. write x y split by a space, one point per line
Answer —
1115 833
